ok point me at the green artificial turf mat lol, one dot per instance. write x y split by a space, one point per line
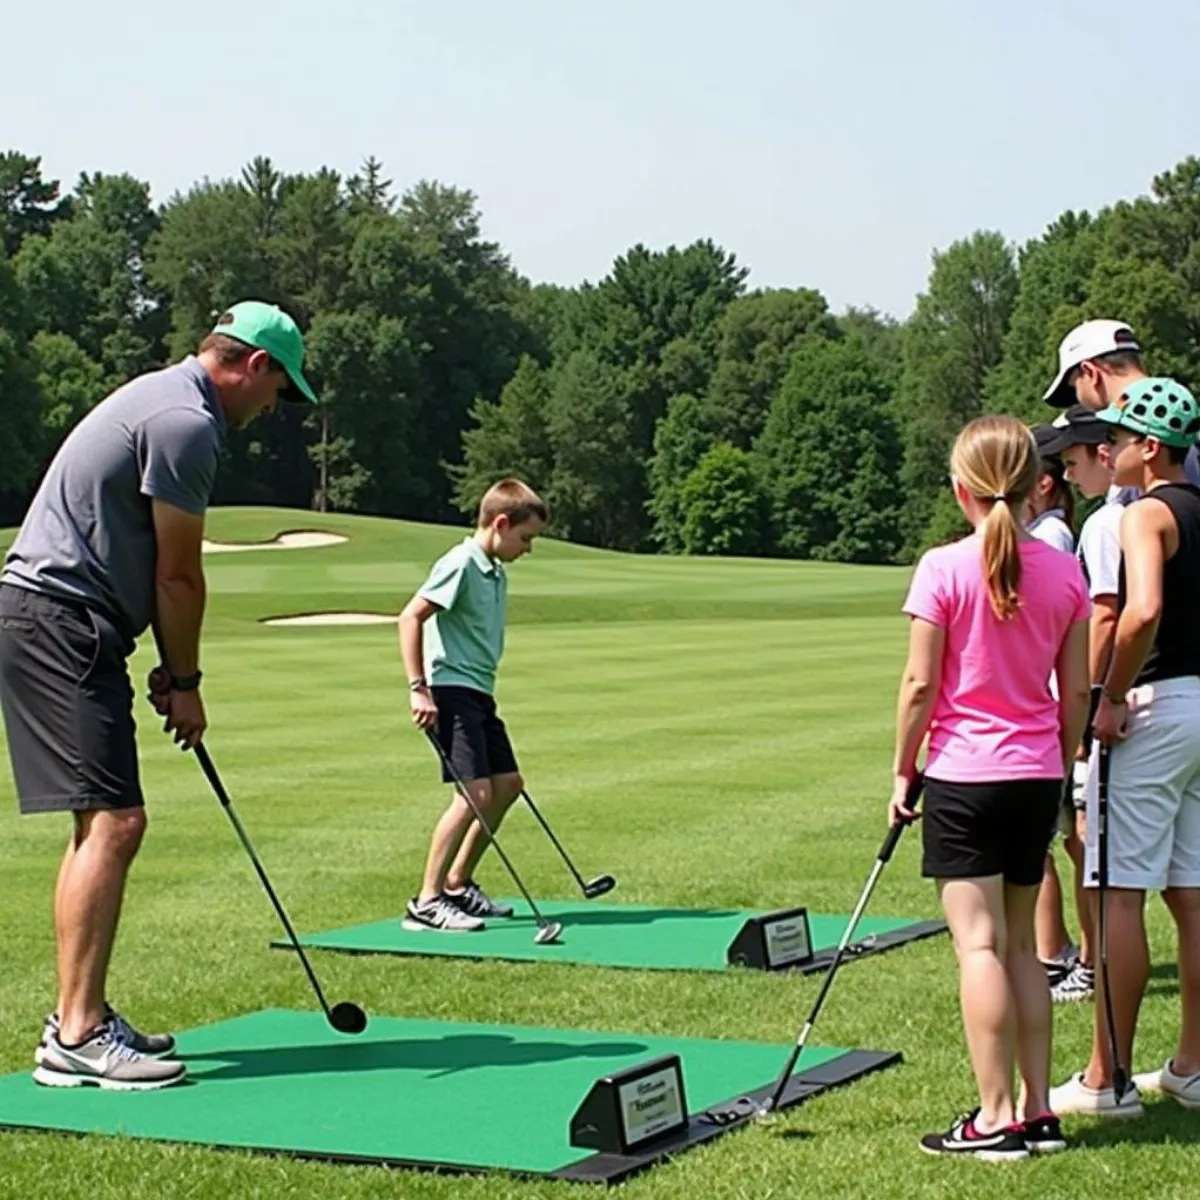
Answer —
612 935
406 1092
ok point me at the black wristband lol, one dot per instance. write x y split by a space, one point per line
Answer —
186 683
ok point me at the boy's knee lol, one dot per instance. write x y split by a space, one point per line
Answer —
509 787
481 792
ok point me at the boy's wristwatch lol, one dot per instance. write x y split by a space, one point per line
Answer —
186 683
418 685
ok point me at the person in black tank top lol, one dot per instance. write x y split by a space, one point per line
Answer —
1149 718
1175 650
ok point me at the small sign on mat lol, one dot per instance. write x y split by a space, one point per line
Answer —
772 941
629 1109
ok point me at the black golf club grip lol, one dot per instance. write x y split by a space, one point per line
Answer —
892 840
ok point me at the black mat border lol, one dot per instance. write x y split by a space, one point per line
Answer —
604 1169
821 961
876 944
609 1169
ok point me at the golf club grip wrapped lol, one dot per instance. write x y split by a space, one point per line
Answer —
1093 704
893 834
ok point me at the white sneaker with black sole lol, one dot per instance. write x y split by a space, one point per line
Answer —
963 1140
474 901
105 1060
440 914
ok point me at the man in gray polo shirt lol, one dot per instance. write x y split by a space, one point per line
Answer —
1097 361
110 546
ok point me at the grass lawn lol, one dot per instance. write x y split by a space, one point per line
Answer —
711 732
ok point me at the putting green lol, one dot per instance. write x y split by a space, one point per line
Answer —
283 1081
614 935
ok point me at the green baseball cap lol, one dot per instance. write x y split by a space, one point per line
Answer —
1158 407
267 327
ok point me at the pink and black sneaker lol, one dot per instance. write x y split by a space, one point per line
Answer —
1043 1134
962 1139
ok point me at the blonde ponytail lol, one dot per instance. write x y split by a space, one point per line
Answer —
996 460
1002 560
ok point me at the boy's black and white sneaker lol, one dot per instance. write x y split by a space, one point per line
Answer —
964 1140
1044 1135
442 914
1061 965
472 899
1078 984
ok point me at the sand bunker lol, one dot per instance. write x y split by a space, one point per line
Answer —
301 539
334 618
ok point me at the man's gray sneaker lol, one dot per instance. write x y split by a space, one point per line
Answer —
153 1045
107 1061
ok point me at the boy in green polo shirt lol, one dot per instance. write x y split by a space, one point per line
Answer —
455 622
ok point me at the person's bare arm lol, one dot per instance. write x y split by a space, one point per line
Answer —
180 594
1102 632
179 586
1145 530
1074 690
918 692
412 621
914 709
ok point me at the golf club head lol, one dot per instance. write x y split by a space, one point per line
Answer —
548 933
600 886
347 1017
740 1110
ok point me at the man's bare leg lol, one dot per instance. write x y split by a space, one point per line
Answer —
88 908
64 872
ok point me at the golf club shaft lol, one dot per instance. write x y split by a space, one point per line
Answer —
466 795
533 808
826 984
886 850
1102 914
210 771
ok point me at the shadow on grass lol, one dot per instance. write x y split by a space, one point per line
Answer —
1165 1123
1164 980
435 1057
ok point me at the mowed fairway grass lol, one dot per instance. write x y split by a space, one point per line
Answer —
712 732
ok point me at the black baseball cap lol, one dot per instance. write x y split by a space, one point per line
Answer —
1048 440
1077 426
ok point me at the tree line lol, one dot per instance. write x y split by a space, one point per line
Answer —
667 407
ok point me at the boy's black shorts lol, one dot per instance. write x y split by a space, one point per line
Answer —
68 705
472 735
979 829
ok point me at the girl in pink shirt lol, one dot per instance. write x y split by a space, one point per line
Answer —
993 617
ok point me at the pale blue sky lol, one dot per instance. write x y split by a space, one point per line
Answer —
828 144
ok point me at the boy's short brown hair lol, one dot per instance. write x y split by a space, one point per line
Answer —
513 499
